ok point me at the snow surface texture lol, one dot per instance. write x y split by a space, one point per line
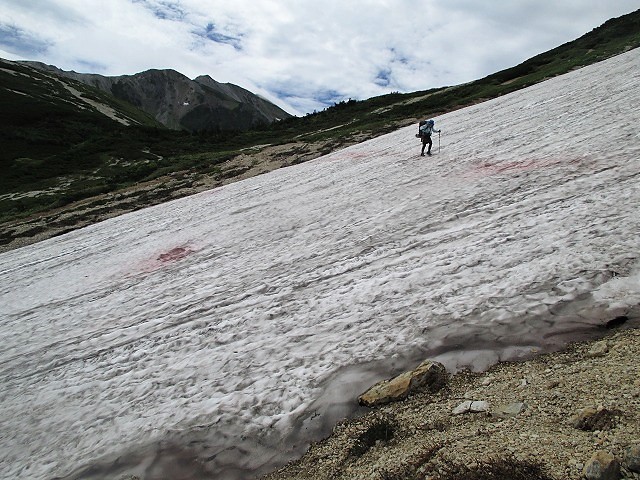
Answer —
216 329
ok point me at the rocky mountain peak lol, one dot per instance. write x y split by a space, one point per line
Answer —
202 104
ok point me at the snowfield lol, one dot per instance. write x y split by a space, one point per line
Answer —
220 332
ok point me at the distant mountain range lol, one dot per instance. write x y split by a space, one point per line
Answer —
177 102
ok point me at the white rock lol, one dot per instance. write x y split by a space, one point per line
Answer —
462 408
479 406
469 406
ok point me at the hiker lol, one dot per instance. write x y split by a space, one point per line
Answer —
425 131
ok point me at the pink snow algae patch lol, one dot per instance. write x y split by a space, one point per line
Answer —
165 258
488 168
174 254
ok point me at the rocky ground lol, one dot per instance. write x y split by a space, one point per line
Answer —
544 418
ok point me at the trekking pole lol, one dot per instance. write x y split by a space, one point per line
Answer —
438 142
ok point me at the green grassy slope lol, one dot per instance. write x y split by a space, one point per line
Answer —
58 146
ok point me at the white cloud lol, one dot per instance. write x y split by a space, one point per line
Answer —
301 54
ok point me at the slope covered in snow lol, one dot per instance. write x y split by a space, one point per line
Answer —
214 332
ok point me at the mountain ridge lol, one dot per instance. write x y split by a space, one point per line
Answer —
177 102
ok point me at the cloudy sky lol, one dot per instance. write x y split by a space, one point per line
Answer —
301 54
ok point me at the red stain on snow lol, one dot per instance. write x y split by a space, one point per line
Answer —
359 155
174 254
347 155
164 259
505 168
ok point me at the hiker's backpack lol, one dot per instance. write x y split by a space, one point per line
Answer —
420 129
425 127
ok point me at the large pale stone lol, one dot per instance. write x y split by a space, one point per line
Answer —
429 375
479 406
462 408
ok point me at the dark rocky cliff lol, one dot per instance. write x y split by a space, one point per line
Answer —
181 103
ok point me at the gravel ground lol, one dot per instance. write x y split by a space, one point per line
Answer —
421 438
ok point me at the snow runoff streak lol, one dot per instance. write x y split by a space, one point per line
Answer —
220 330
